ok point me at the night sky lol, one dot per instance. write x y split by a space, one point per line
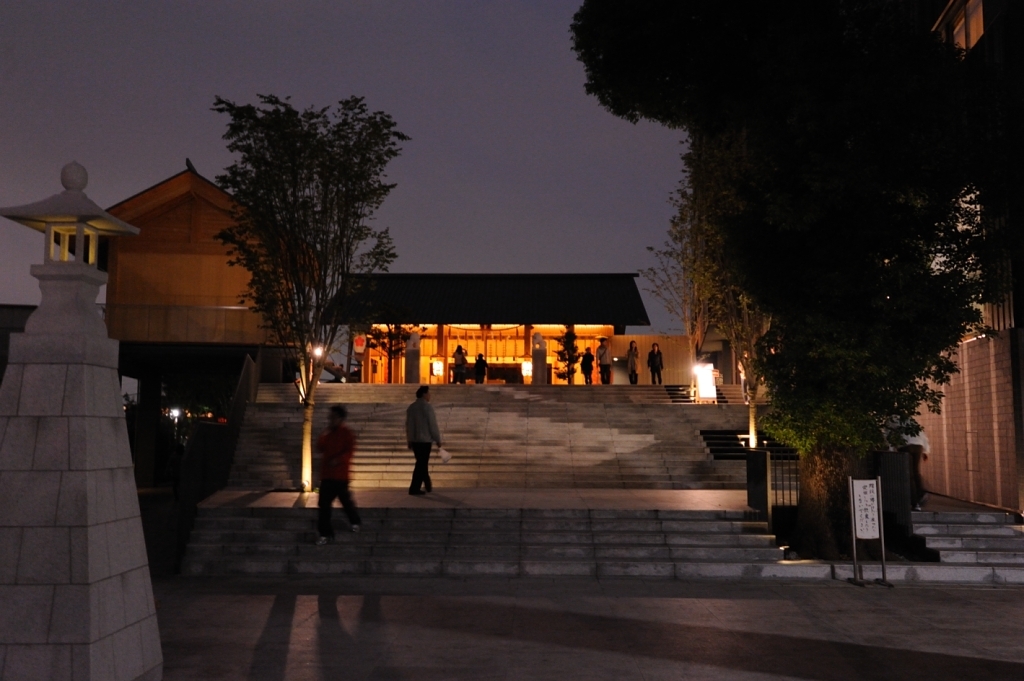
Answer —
511 166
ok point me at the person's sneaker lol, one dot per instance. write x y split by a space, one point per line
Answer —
416 492
355 528
322 541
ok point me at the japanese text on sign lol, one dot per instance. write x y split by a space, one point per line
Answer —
865 508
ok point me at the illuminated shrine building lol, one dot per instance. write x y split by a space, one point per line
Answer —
497 315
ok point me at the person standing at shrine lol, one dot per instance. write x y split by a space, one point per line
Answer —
587 367
655 363
480 369
337 446
604 361
421 432
633 362
460 362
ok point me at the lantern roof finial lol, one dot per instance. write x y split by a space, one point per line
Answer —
74 177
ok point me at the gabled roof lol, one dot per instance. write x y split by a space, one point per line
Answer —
609 299
186 182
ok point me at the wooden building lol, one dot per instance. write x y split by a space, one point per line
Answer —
173 301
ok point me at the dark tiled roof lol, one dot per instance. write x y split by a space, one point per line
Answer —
611 299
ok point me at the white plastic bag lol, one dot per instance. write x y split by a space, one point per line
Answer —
446 456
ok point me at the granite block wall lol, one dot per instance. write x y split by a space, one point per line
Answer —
975 441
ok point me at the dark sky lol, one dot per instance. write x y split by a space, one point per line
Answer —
511 166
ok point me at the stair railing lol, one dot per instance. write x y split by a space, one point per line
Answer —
773 482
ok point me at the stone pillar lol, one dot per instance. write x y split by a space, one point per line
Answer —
539 352
77 601
412 359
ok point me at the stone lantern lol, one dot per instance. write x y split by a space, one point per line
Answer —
74 576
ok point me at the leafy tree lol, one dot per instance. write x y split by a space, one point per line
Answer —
676 280
730 308
568 355
306 185
390 339
842 149
693 278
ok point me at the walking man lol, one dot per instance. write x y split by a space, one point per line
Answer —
604 361
421 433
337 444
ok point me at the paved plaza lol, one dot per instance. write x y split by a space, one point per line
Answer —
436 629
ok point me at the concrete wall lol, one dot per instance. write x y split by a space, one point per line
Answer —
976 442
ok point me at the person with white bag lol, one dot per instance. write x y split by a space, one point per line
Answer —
421 432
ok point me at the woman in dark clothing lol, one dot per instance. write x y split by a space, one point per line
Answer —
587 367
655 364
633 363
481 369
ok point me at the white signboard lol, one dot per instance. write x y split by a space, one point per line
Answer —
865 508
705 381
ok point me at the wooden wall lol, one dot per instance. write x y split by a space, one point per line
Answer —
172 283
675 353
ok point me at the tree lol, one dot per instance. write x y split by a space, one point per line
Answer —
306 185
697 255
390 339
676 279
853 162
568 355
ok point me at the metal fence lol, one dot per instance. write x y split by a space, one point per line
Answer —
773 481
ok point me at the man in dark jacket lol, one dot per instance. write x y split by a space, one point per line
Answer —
421 433
337 445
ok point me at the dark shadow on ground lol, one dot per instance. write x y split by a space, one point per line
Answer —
456 616
805 658
270 658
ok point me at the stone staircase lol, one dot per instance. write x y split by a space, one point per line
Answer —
507 542
470 394
973 538
501 436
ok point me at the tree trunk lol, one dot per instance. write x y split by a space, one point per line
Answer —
693 365
823 526
348 355
752 414
307 440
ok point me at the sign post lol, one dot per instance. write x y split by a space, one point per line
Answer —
866 523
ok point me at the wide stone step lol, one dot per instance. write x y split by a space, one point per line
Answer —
993 517
982 557
979 530
975 543
524 567
449 541
539 431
